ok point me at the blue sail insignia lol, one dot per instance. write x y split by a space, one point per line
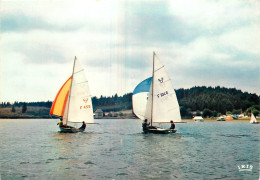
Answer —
144 86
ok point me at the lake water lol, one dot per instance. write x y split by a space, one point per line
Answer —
117 149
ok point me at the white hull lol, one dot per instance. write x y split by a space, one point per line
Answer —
199 120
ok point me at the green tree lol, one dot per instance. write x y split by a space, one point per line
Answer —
13 109
189 114
214 113
207 113
24 108
228 112
183 111
236 111
251 109
229 105
255 112
198 113
256 107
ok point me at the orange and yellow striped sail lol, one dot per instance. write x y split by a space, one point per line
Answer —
59 104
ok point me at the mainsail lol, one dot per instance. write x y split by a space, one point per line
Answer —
73 101
253 119
165 103
79 102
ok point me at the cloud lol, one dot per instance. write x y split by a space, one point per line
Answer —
23 23
216 16
151 23
200 42
157 23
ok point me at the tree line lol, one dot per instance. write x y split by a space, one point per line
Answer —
113 103
20 104
205 101
213 101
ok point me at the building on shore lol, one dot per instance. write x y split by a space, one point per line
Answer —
98 114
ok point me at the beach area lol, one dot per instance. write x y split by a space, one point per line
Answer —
215 119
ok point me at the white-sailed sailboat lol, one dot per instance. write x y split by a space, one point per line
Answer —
73 102
253 119
161 105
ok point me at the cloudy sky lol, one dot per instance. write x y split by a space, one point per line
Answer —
201 42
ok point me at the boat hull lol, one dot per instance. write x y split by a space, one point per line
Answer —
70 130
255 123
199 120
160 131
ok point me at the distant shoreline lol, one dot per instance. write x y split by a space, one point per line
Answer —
110 118
211 120
26 118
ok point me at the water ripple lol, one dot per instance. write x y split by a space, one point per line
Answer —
118 149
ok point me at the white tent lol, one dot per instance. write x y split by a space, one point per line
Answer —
198 118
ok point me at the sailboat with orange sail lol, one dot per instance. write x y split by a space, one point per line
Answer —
73 102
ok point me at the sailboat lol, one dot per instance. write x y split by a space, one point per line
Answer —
154 99
73 102
253 119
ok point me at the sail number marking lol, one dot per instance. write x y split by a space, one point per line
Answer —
85 107
162 94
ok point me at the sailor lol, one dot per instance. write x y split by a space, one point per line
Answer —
60 123
172 125
145 125
83 126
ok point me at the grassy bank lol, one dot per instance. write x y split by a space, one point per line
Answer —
39 112
215 119
31 113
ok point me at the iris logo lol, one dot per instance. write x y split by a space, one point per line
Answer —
161 80
85 100
245 167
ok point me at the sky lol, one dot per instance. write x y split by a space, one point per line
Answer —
200 42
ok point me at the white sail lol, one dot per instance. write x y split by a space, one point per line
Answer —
65 114
80 103
165 103
139 103
253 119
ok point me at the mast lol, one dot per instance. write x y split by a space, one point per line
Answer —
70 90
152 91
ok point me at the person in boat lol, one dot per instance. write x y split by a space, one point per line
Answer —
60 123
172 125
83 127
145 125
